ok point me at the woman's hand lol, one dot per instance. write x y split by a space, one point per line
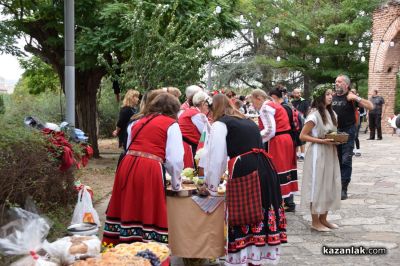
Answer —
305 135
115 132
329 142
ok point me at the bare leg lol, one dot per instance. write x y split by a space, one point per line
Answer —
316 223
322 219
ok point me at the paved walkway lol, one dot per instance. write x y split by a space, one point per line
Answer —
369 218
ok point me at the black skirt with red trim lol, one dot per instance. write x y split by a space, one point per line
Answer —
272 230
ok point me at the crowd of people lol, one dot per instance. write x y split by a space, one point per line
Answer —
260 155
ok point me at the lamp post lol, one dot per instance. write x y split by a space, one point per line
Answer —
69 57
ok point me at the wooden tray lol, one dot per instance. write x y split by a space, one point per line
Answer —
187 191
338 137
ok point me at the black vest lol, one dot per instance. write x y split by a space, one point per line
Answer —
243 135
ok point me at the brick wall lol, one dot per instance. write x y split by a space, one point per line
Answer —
384 60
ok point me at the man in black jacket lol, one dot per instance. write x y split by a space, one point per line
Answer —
345 104
375 116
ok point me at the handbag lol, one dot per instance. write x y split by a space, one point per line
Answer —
122 155
243 200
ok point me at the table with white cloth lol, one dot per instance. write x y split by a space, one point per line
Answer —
192 233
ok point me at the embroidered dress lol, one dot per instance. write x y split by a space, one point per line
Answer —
321 182
275 129
137 210
257 243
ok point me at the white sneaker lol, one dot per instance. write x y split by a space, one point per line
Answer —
357 152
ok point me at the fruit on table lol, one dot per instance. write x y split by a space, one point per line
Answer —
188 172
200 181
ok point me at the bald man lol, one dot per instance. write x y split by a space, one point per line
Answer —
345 104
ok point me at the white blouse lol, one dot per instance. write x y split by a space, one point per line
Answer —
173 154
199 120
203 156
267 114
216 156
313 118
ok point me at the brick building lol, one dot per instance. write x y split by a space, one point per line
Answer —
384 61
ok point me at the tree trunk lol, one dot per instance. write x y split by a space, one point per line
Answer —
87 85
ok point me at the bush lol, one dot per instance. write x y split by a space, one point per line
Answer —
26 167
397 96
47 106
2 106
28 170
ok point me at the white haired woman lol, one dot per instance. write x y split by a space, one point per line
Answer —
192 122
189 93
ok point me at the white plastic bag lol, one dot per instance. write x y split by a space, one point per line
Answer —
25 235
84 211
67 250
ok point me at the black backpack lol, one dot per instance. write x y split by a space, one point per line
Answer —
398 121
295 124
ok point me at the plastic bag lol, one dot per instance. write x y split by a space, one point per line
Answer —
31 261
84 211
67 250
25 235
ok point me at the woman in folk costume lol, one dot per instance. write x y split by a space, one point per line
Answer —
321 184
192 122
254 209
189 93
275 132
279 95
137 210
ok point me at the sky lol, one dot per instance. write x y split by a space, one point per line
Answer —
10 69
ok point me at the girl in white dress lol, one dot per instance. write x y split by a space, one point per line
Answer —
320 190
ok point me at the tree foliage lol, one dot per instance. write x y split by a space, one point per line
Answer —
165 42
342 20
137 33
40 77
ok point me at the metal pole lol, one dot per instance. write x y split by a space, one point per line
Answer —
69 56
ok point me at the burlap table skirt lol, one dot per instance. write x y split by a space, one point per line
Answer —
191 232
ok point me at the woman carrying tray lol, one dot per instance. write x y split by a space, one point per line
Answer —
137 211
321 185
254 208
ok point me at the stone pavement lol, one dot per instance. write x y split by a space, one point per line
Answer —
370 217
